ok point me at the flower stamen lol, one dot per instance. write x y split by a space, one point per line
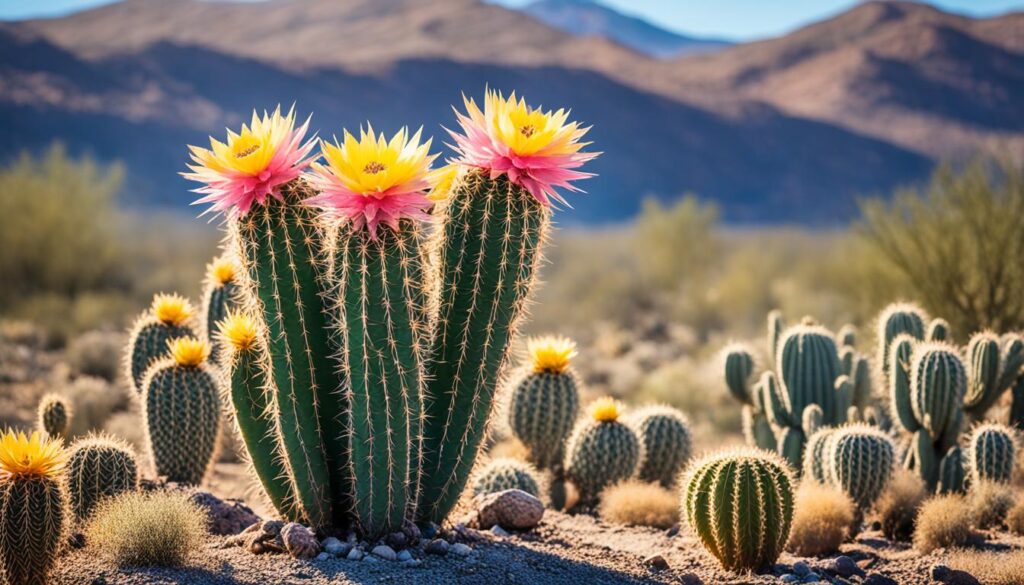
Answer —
372 168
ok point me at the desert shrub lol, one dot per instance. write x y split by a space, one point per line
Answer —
991 568
93 400
989 503
1015 517
147 529
97 354
943 522
127 426
822 517
638 503
899 505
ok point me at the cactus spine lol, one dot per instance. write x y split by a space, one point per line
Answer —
99 467
181 411
740 505
898 318
861 461
665 443
219 295
169 317
601 451
506 474
54 416
991 449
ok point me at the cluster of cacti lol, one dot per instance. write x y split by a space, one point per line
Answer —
601 451
898 319
739 375
994 365
740 506
99 467
169 317
54 416
506 474
991 449
220 294
665 443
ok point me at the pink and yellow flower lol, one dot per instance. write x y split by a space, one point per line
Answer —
372 180
537 149
252 165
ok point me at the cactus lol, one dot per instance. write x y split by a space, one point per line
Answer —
984 371
861 462
220 293
665 443
169 317
54 416
181 411
33 507
1016 418
860 377
99 467
506 474
775 327
938 330
816 464
847 336
545 401
739 368
952 475
757 430
601 451
898 318
847 358
740 504
991 449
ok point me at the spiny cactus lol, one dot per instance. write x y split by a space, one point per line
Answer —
847 336
739 368
506 474
775 327
952 474
220 293
54 416
991 449
847 356
861 461
181 411
665 443
817 463
984 370
169 317
545 401
740 504
99 467
895 319
757 431
601 451
938 330
860 378
33 507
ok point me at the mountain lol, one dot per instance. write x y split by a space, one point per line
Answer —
140 79
589 18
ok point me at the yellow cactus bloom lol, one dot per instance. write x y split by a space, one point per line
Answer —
222 270
442 180
606 409
172 309
528 131
551 354
238 330
189 351
373 165
30 456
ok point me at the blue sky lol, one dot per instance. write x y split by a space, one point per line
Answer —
732 19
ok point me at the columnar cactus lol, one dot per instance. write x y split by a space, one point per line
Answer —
220 293
898 318
739 373
506 474
861 461
994 366
169 317
33 507
181 411
99 467
665 443
740 504
54 416
938 330
545 401
601 451
776 325
952 474
991 449
817 463
847 336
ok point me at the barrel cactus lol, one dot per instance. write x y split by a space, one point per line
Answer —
506 474
817 461
99 467
739 503
991 449
666 442
601 451
545 399
861 462
169 317
33 507
896 319
220 293
181 411
54 416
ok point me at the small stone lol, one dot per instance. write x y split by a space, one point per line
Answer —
412 563
800 569
324 556
690 579
428 530
411 531
354 555
944 574
876 526
405 555
438 546
672 532
333 546
461 549
656 562
396 540
844 566
512 509
497 530
385 552
940 572
226 517
810 578
790 578
299 541
371 559
877 579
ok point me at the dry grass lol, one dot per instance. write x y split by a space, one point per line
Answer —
147 529
943 522
991 568
637 503
821 520
899 504
1015 517
93 401
97 354
990 502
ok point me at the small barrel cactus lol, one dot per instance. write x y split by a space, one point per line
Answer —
991 449
181 410
99 467
169 318
665 440
55 416
740 504
895 319
545 401
952 475
219 295
938 330
33 507
601 451
861 461
506 474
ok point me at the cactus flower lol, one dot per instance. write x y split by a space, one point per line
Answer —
32 455
172 309
537 149
222 270
252 164
550 354
189 351
372 180
238 330
605 409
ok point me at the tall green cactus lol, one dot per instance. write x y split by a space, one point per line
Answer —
666 443
54 415
506 474
740 505
952 474
739 364
181 411
601 451
171 316
99 467
220 293
861 461
895 319
991 449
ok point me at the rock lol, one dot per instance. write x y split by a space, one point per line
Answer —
397 540
299 541
844 566
461 549
511 509
877 579
412 563
438 546
354 555
672 532
324 556
944 574
385 552
260 538
810 578
428 530
226 517
412 532
690 579
468 534
333 546
371 559
497 530
800 569
656 562
405 555
789 578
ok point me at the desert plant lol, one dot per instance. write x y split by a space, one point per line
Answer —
994 366
665 443
952 474
861 460
639 503
1015 517
181 411
545 401
990 567
847 336
817 462
739 503
943 521
506 474
895 320
938 330
33 507
990 502
991 449
93 401
899 504
54 416
821 520
739 379
161 529
220 293
601 451
169 318
96 353
99 467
